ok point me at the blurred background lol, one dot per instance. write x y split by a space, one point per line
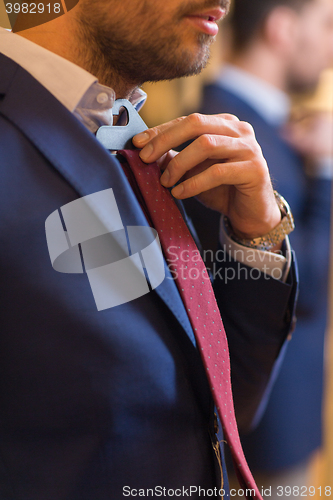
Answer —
272 65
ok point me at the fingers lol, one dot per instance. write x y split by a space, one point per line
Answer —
228 174
223 165
213 147
157 141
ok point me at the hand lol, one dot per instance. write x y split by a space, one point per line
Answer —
312 135
223 167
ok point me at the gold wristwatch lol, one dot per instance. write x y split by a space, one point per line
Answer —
274 237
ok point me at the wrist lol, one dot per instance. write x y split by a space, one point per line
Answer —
260 229
273 239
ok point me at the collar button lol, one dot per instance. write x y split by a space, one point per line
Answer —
102 98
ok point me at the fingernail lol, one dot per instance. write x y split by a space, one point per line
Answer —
141 138
147 151
165 178
177 191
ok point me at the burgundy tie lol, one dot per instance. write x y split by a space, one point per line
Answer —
195 288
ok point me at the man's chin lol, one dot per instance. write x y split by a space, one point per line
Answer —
185 67
182 71
190 66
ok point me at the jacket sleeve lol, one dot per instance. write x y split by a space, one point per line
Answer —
258 313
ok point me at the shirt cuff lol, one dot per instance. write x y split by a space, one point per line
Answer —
276 265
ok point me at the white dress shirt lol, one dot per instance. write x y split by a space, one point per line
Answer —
78 90
271 103
91 102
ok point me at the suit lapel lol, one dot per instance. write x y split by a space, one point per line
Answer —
77 155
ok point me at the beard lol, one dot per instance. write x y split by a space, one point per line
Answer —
139 47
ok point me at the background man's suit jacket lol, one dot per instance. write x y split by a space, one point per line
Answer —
93 401
291 426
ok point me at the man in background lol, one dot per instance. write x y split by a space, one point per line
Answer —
279 47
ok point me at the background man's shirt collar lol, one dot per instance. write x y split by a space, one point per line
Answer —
270 102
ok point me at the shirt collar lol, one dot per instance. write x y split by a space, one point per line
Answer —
78 90
271 103
95 107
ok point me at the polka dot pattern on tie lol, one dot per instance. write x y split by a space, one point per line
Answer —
197 294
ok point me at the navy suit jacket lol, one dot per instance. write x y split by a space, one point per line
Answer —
93 401
290 429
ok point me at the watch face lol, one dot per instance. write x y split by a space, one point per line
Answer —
18 15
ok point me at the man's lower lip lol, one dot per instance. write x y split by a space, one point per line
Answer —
208 27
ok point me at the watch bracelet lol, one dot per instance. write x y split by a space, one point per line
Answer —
274 237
